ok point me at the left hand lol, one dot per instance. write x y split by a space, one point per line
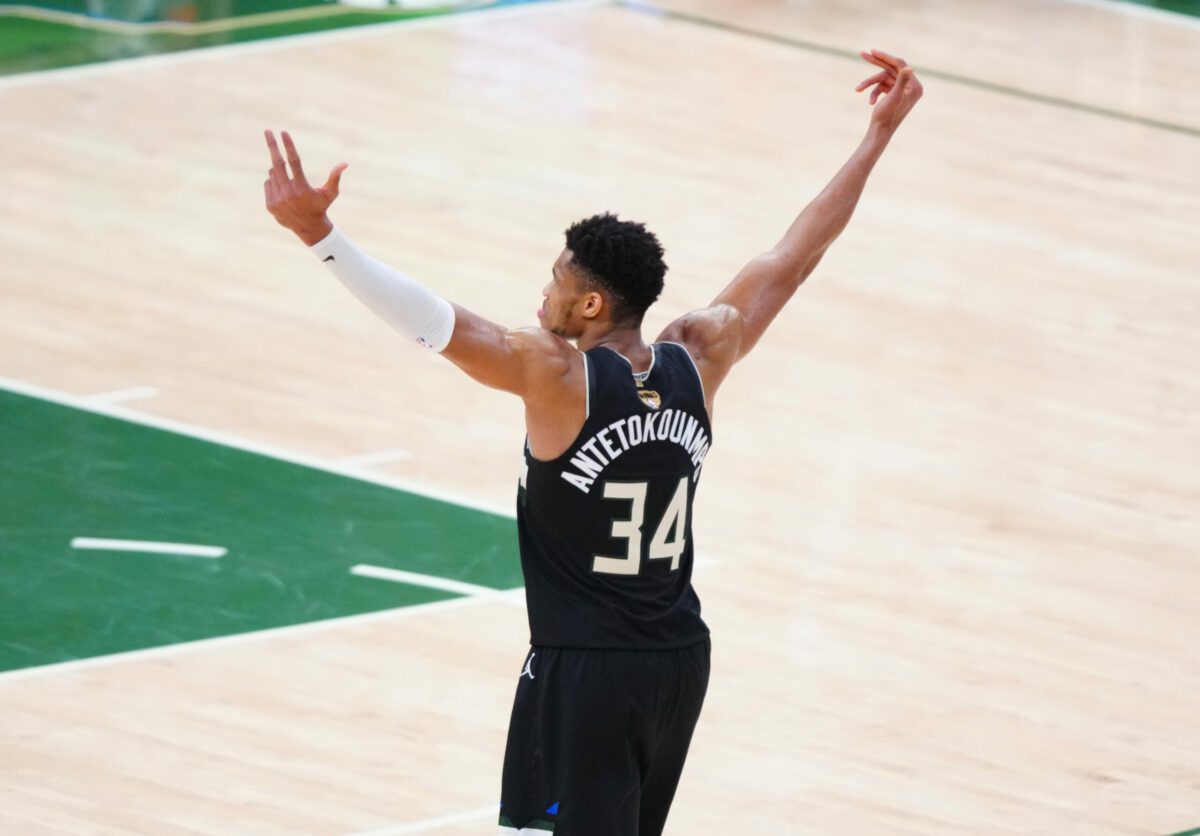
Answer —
898 85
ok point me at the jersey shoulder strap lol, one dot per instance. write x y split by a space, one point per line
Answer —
681 363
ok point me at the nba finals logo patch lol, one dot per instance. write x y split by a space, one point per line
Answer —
650 398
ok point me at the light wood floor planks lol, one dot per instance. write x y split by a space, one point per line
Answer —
950 514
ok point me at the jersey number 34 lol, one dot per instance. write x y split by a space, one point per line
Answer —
669 540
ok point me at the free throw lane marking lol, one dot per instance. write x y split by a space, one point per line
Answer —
383 573
186 549
146 419
510 597
269 634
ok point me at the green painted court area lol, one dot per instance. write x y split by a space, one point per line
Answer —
292 533
48 34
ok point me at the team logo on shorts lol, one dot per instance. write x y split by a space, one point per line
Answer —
650 398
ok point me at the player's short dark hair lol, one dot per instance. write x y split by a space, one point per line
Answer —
624 259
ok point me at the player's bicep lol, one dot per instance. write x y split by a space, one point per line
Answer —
487 352
757 294
529 362
712 337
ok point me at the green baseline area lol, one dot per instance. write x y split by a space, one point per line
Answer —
48 35
1182 7
292 532
51 34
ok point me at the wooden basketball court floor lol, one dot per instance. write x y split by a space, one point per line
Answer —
948 539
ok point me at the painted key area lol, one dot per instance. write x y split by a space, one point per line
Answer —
288 536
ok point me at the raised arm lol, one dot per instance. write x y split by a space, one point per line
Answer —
528 362
723 333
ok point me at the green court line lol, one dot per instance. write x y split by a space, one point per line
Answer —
954 78
292 532
1195 831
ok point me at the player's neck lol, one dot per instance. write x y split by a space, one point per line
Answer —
627 342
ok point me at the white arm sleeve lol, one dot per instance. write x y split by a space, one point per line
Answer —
400 301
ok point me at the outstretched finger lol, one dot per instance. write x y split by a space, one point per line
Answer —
891 60
871 58
875 79
276 157
293 157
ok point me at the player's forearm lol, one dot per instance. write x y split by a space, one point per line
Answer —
824 218
399 300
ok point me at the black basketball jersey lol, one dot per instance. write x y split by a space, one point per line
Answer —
606 528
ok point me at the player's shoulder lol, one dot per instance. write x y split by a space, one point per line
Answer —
545 354
705 331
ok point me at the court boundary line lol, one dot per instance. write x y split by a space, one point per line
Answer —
648 9
348 33
287 630
227 440
503 596
258 448
186 29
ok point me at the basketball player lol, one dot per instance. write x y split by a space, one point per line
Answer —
617 431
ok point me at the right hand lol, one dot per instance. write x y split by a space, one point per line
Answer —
291 200
898 86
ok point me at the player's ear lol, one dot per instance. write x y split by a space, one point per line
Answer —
593 304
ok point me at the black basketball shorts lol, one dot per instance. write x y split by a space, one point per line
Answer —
598 738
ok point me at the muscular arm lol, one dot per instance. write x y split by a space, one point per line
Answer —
524 361
723 333
759 292
538 366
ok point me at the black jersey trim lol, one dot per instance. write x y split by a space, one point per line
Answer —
699 379
650 368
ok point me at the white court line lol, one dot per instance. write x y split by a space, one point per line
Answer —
434 824
350 33
225 24
185 549
132 393
369 459
75 665
512 597
228 440
383 573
